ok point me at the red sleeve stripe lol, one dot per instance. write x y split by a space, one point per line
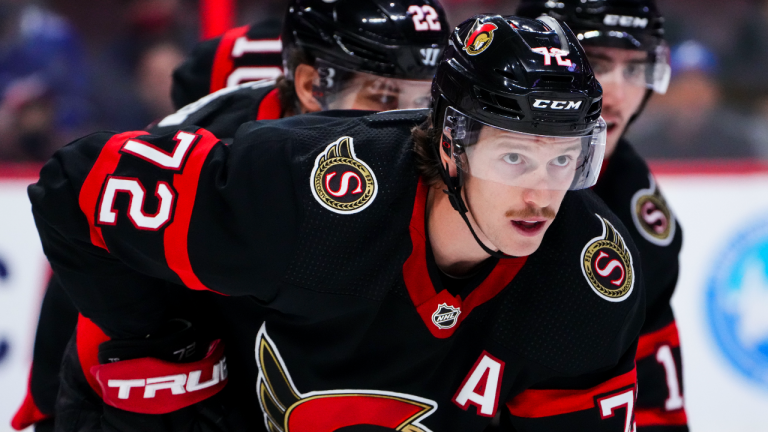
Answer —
270 107
650 342
91 190
177 233
546 403
222 61
659 417
28 413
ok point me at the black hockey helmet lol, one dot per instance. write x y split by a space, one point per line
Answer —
392 38
626 24
528 85
519 74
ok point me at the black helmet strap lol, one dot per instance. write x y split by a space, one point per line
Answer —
453 190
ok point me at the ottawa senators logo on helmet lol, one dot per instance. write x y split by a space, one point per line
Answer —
287 410
480 38
340 181
607 264
652 217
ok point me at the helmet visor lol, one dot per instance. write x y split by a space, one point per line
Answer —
652 72
524 160
340 88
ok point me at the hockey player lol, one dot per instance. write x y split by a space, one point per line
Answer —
348 54
624 41
374 68
423 269
242 54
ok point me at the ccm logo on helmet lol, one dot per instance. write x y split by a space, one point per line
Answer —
625 21
177 384
557 104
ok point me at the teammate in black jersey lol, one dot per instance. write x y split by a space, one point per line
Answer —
384 64
240 55
338 224
365 55
624 41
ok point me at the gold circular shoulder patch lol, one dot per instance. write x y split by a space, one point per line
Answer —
652 216
340 181
607 265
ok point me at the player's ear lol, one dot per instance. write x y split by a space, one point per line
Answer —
304 78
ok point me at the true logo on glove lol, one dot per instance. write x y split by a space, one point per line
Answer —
340 181
607 265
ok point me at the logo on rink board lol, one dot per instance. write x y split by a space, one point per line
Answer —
286 409
652 217
607 265
340 181
737 302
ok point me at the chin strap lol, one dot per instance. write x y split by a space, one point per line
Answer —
453 185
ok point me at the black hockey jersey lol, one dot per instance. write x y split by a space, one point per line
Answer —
359 331
240 55
628 188
222 112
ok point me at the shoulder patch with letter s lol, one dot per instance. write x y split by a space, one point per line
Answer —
651 215
340 181
607 265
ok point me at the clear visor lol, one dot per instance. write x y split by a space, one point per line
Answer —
524 160
653 72
340 88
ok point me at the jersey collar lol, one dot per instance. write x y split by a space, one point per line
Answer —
443 312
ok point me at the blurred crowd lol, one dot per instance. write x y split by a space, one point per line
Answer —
71 67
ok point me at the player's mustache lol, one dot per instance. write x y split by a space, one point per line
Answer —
531 212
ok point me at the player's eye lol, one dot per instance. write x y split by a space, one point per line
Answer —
512 158
561 161
634 71
601 67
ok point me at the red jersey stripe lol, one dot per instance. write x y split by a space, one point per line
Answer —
177 233
91 189
270 107
545 403
222 61
659 417
28 413
650 342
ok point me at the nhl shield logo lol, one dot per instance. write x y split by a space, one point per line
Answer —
445 316
340 181
607 265
480 38
652 217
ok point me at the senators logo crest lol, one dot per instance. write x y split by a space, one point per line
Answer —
479 38
607 265
288 410
340 181
652 217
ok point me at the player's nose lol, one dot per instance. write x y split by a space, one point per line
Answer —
537 198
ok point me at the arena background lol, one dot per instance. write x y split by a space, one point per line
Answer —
70 67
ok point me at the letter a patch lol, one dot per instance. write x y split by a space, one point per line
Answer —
482 385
